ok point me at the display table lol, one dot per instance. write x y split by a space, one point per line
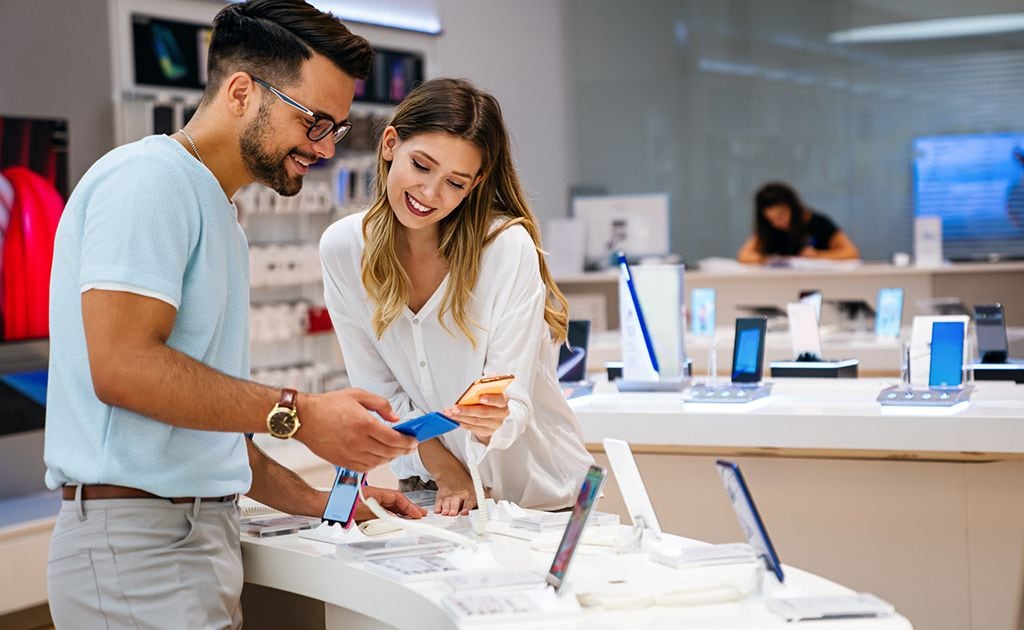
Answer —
925 510
356 599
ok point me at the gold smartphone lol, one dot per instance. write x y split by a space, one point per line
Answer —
483 386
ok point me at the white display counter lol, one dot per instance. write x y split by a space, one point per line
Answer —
357 599
924 509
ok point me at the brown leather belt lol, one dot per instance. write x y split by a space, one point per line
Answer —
97 491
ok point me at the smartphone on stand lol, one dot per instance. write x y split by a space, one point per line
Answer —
990 326
341 504
946 362
748 349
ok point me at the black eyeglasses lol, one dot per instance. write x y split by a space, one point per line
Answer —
321 126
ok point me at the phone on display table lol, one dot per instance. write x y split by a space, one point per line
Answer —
341 504
945 368
889 312
483 386
428 426
749 518
991 329
748 349
578 519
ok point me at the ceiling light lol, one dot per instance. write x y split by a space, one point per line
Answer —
931 29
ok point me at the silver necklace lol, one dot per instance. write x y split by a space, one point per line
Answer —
192 143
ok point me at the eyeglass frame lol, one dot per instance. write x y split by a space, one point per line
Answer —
339 129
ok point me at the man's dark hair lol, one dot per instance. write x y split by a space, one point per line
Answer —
272 38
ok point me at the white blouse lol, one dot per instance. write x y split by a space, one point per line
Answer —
536 458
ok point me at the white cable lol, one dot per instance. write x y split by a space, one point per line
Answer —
413 527
480 522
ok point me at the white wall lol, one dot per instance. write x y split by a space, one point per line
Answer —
518 51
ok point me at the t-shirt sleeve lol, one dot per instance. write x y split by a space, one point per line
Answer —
143 224
822 230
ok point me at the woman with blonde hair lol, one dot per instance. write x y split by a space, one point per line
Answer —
442 281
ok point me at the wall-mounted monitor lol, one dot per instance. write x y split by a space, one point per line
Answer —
975 183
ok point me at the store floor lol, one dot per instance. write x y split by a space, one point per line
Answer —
35 618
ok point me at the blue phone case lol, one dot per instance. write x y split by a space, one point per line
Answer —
426 427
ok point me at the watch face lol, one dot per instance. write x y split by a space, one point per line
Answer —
282 422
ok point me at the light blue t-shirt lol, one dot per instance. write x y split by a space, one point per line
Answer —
150 219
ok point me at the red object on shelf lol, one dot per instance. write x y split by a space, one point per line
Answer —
28 254
319 320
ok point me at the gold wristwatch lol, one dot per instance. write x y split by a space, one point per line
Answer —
283 419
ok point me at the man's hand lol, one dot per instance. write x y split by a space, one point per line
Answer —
392 501
339 427
484 419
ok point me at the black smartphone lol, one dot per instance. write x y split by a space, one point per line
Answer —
748 349
990 326
341 504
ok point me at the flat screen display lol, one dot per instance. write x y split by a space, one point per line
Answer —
169 53
947 354
889 312
589 492
975 183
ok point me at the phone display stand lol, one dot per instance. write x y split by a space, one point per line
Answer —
661 385
651 331
1012 370
846 368
728 393
931 397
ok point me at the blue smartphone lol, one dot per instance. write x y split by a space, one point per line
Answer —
341 504
945 367
702 312
889 312
748 349
750 519
624 267
426 427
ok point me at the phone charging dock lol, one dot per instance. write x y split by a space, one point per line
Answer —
728 394
1010 371
903 396
846 368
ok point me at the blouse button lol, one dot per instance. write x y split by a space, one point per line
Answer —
416 321
423 364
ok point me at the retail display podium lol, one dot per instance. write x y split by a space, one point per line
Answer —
888 500
357 599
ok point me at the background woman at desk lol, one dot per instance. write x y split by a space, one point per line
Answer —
785 227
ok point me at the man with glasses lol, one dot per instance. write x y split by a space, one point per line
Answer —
148 401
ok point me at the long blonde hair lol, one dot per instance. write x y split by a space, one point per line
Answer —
457 107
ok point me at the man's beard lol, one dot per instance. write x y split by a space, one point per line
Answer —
266 168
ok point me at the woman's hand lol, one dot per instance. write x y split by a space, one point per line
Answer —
808 252
484 419
455 494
